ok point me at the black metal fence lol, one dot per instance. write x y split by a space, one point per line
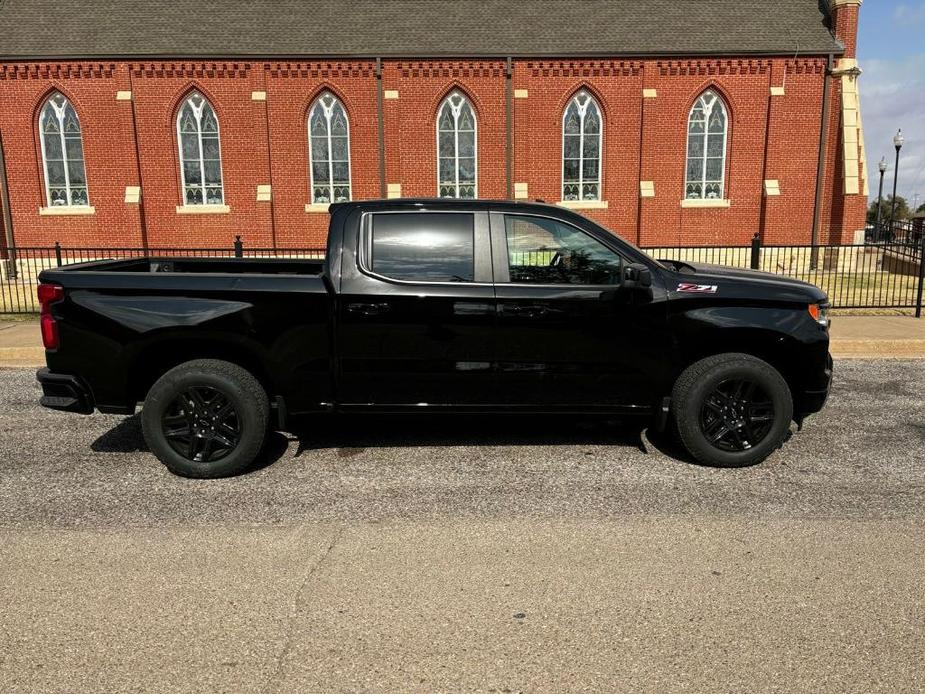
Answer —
861 276
904 233
20 267
887 272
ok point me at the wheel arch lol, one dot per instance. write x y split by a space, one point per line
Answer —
778 349
157 358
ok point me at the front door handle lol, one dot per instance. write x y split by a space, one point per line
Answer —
370 309
529 311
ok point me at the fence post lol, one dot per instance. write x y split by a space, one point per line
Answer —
58 253
756 252
12 271
918 298
238 247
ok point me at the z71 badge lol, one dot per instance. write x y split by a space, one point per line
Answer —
697 288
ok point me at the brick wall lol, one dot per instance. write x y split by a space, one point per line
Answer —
264 142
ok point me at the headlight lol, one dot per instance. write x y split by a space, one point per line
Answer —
820 314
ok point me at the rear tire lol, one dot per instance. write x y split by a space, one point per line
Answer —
206 419
732 410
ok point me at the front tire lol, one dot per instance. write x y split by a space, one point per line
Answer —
732 410
206 419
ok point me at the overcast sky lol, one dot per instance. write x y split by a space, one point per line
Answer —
891 51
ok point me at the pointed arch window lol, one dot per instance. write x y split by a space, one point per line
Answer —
200 152
62 154
707 130
582 131
457 147
329 137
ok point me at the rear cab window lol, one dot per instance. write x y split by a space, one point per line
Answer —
422 246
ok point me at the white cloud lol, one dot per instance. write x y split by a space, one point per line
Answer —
892 97
906 14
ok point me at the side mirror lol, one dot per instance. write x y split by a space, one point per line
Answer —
637 275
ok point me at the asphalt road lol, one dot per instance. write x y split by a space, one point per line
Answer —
468 555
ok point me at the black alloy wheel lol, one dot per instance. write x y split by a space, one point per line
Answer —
202 424
731 409
206 418
737 415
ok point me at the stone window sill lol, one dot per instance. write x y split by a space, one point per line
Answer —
66 210
203 209
583 204
709 202
317 207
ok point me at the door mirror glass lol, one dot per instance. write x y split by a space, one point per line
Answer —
545 251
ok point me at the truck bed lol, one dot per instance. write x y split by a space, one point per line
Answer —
250 266
123 320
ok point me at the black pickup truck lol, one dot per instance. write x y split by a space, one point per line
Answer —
443 305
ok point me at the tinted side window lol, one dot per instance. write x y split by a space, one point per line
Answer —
423 246
544 251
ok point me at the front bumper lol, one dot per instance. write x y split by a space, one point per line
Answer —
64 392
814 400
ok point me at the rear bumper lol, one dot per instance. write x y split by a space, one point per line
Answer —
64 392
814 400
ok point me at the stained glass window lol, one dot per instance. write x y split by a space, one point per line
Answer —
329 150
456 148
582 129
200 152
62 153
707 128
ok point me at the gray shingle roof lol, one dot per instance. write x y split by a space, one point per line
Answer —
409 28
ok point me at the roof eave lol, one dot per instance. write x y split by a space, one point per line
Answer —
837 49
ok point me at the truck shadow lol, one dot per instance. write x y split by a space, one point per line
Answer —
351 435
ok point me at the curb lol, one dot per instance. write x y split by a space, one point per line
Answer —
21 357
878 349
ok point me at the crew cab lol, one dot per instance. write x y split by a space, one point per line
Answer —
443 305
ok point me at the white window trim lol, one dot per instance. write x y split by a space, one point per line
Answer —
197 113
59 114
455 110
203 209
584 204
67 211
706 133
311 170
705 202
582 110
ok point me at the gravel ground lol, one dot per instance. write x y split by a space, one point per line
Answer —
468 554
862 457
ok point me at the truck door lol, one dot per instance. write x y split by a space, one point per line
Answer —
416 313
568 334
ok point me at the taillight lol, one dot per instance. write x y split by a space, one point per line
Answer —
48 295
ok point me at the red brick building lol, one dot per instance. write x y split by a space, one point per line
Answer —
681 122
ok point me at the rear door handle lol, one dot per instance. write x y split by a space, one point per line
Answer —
365 309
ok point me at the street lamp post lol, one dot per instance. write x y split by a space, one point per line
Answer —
882 167
898 144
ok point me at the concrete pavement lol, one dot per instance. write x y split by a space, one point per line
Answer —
624 604
878 337
853 337
407 554
21 343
